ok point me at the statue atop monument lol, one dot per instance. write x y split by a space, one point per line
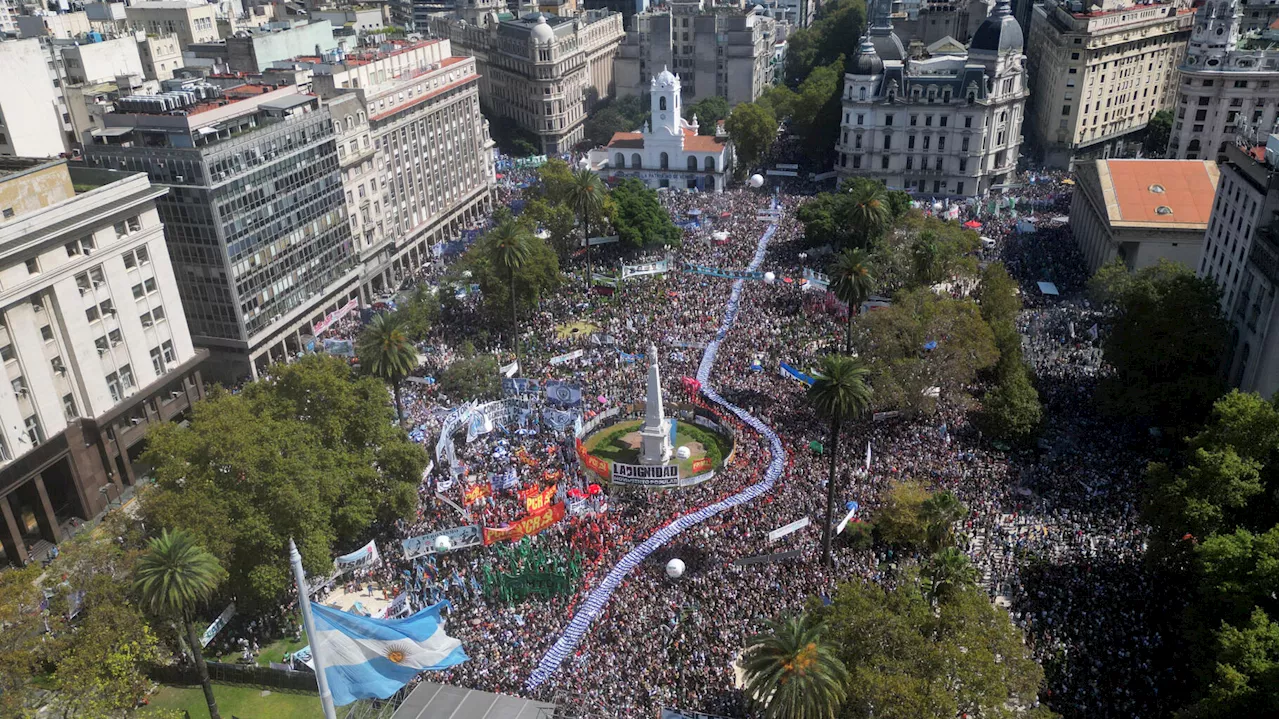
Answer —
655 434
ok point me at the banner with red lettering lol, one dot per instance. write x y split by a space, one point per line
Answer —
595 464
536 501
526 526
475 494
701 465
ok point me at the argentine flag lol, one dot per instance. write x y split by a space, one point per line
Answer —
368 658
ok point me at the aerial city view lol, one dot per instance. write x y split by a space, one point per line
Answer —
639 359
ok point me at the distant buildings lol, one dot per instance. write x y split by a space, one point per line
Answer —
30 122
93 341
1240 254
1098 74
716 51
542 73
1142 211
949 125
668 152
255 214
928 21
1227 84
190 20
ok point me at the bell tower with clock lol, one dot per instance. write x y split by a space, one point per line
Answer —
664 101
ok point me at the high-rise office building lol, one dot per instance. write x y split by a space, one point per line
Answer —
255 214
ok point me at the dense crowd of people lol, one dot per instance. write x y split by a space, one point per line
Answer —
1052 530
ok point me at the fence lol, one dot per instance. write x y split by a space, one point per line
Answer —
238 674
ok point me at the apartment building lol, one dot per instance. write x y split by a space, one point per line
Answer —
190 20
255 215
627 8
415 153
93 340
1100 73
161 55
543 73
30 105
716 51
1240 255
88 62
949 125
928 21
1227 84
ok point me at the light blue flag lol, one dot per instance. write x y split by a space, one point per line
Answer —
373 658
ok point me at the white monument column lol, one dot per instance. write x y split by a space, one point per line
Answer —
655 435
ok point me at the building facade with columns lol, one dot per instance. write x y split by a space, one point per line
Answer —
668 151
544 74
940 126
93 340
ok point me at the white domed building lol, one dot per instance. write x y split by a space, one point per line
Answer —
668 151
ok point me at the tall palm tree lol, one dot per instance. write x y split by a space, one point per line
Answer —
586 196
510 250
947 572
868 210
791 673
853 285
940 512
385 351
839 393
175 576
926 259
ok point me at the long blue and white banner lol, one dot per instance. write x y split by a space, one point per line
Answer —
816 280
717 272
789 372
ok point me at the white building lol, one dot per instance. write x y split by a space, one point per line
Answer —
949 125
93 341
91 62
30 122
190 20
668 152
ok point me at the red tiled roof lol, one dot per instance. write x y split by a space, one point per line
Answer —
627 141
1141 187
692 142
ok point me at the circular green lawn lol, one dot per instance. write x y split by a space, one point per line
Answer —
621 443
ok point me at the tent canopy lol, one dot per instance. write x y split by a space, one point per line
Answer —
1047 288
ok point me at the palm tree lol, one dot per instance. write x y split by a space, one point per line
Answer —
853 285
510 250
926 259
947 572
175 576
385 351
940 512
791 673
586 196
868 210
839 393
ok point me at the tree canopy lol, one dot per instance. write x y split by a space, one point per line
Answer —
834 31
752 127
709 111
1155 139
538 275
311 452
639 218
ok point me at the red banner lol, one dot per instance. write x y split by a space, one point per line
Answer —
526 526
701 465
536 501
595 464
475 493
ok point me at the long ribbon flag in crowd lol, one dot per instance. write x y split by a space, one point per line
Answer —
599 597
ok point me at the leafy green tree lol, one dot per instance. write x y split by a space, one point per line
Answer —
940 512
1155 140
554 180
633 107
1244 674
779 99
311 452
912 659
947 572
602 124
853 283
1167 342
100 666
559 222
420 313
538 274
709 111
473 375
791 671
823 221
585 195
834 30
175 577
386 352
901 520
815 113
997 295
21 639
839 394
510 244
1237 573
639 218
1011 409
899 204
753 128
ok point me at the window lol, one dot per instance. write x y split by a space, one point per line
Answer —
884 162
138 292
968 121
926 142
635 161
888 120
33 266
46 333
911 142
959 188
126 376
910 163
69 407
964 144
19 385
1075 56
942 144
888 141
662 103
107 308
143 257
913 120
942 121
662 161
134 223
57 366
964 164
34 433
115 337
6 353
92 314
157 363
130 261
1066 109
121 229
113 386
169 355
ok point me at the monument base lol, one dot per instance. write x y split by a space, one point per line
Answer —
655 444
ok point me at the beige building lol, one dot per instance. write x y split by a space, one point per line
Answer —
93 342
61 26
543 73
716 51
160 54
100 61
1097 76
190 20
1142 211
415 153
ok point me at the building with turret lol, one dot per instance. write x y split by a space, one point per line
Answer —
949 125
1227 84
668 151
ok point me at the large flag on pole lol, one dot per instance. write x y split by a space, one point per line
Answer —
367 658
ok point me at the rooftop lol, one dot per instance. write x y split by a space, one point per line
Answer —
13 166
1164 192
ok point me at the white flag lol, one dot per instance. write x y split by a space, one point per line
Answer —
868 467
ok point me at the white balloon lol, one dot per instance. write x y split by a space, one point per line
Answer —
770 277
675 569
683 452
442 544
757 181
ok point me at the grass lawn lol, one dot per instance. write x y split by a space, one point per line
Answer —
273 652
241 701
621 443
575 329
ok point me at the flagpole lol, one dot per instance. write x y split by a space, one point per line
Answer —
304 601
